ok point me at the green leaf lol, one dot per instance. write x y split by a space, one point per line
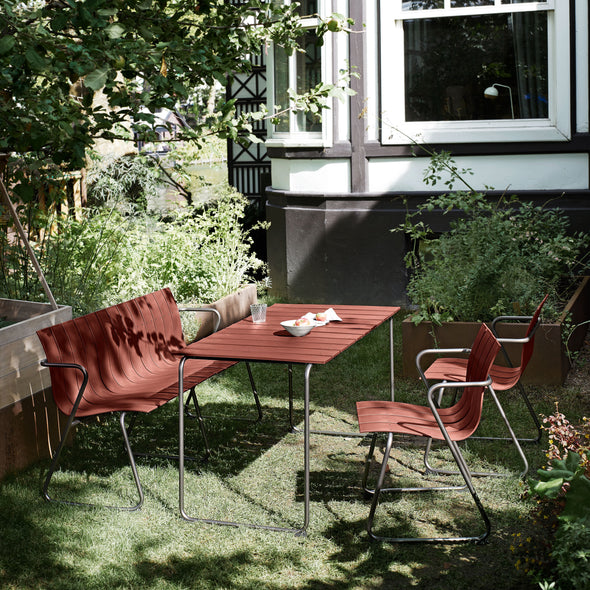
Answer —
115 31
35 60
96 79
107 11
547 489
549 474
7 43
577 499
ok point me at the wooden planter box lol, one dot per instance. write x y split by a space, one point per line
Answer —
30 423
549 364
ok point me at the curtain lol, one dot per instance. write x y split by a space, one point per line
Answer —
530 50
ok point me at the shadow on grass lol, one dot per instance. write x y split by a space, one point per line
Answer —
436 566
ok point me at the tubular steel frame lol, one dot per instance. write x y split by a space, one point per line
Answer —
463 470
307 431
441 387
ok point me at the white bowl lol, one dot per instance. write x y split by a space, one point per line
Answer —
294 330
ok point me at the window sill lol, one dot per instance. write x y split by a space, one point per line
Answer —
494 131
295 142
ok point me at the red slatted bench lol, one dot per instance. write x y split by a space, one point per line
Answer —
120 359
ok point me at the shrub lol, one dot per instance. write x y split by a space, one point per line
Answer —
571 552
558 544
202 253
498 256
129 183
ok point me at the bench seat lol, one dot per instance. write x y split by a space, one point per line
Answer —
120 359
128 353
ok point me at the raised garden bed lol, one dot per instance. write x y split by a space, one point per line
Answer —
29 421
549 364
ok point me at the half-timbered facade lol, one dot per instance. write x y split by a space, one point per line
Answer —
501 84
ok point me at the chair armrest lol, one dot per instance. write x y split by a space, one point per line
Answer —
457 385
428 351
515 340
509 318
82 369
209 309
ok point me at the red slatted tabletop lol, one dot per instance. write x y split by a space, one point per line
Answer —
270 342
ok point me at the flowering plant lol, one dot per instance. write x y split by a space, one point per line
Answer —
561 515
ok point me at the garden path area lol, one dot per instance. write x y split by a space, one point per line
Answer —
255 472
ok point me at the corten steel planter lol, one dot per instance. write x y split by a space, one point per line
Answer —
30 423
232 308
549 364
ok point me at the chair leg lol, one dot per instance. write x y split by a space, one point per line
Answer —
192 397
512 438
369 492
534 416
55 462
464 470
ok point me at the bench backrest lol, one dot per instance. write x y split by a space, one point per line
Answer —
119 346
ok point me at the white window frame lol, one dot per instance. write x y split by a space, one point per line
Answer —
293 138
396 130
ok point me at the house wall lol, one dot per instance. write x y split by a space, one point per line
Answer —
331 209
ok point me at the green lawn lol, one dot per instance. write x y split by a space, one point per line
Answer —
256 473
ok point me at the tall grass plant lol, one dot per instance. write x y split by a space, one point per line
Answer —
109 254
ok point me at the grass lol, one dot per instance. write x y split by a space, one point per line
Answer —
256 473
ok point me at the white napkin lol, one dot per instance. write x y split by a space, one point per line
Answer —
331 316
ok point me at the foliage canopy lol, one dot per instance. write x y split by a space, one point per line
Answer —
74 71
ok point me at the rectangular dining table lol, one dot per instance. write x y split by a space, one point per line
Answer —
269 342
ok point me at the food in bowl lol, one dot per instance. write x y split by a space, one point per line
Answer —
297 329
302 322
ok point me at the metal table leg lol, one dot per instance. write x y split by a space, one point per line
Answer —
181 457
391 365
334 432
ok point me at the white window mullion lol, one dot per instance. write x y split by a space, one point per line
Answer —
293 85
295 129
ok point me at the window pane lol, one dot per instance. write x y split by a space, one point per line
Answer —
307 7
449 62
461 3
281 80
309 74
422 4
521 1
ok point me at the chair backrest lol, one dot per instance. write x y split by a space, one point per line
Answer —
118 346
527 348
483 353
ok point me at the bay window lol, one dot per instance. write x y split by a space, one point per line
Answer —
475 70
297 73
